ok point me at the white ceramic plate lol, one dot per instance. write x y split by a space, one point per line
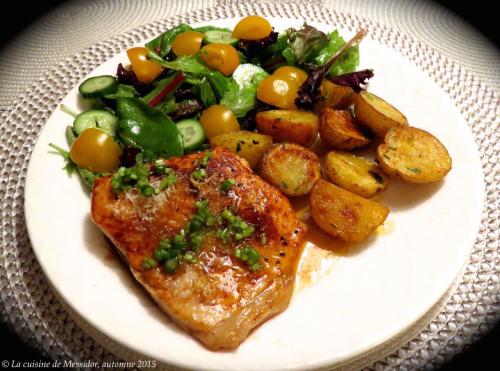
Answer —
381 287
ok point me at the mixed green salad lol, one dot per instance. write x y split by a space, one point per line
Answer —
189 85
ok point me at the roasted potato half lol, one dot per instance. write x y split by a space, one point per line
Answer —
289 126
413 155
338 130
291 168
375 113
343 214
355 174
334 96
247 144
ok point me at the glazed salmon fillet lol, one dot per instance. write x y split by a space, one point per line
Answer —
218 299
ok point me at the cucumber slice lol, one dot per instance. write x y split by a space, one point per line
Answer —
98 86
192 133
96 118
221 37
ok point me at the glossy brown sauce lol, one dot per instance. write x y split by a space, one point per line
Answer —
321 251
110 257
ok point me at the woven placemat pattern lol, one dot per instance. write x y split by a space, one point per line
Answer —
31 308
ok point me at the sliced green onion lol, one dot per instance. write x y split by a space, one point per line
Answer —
227 184
161 255
148 263
206 158
199 174
250 256
189 257
167 181
165 244
171 265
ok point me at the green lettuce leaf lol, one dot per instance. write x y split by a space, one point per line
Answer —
242 91
187 63
304 44
162 44
148 128
219 83
289 56
204 29
347 62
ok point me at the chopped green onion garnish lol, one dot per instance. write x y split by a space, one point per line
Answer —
199 174
189 257
227 184
149 263
228 215
162 254
184 246
196 240
206 158
166 182
171 265
179 242
165 244
250 256
147 190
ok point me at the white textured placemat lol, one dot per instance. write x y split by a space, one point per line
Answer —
27 302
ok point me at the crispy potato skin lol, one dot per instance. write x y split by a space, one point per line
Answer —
343 214
355 174
413 155
291 168
334 96
247 144
375 113
289 126
338 130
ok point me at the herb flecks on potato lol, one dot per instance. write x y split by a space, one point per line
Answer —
247 144
289 126
376 114
343 214
334 96
355 174
338 130
291 168
413 155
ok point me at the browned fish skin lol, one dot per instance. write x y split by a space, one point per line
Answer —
218 300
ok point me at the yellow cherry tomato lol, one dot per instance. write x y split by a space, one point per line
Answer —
279 91
146 70
187 43
294 73
96 151
221 57
218 119
252 27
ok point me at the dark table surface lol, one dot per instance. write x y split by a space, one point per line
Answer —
482 355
